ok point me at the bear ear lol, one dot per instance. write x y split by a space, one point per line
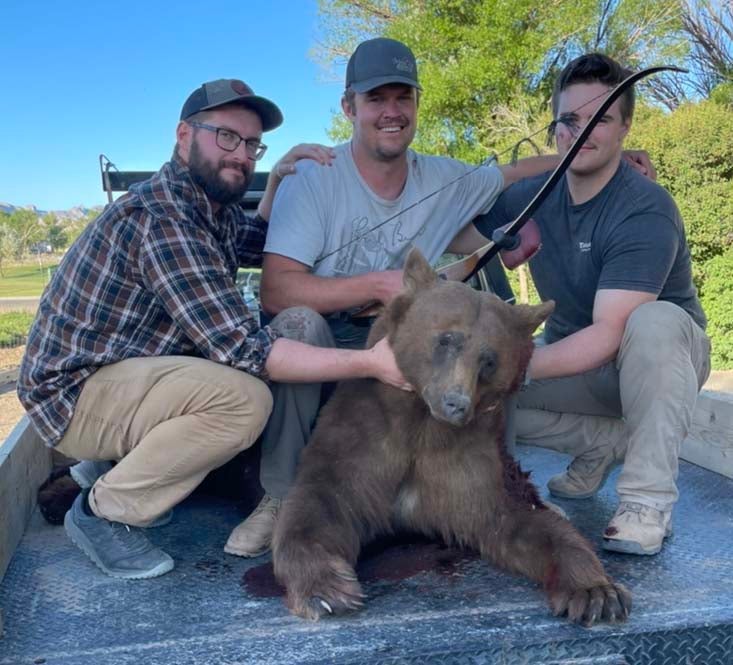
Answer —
530 317
418 274
397 309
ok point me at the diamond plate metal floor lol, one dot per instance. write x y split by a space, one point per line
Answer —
426 603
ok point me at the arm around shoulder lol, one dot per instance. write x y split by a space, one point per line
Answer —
286 166
527 168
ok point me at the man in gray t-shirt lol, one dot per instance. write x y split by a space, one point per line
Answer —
618 369
338 236
324 220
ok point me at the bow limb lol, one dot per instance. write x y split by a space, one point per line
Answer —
474 262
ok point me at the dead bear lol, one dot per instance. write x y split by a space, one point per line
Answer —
433 461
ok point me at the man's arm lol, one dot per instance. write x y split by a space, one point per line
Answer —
467 241
286 166
289 283
295 362
528 167
595 345
532 166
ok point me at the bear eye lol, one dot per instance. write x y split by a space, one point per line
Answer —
446 339
450 340
488 361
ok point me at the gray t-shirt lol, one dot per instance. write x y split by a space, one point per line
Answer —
322 216
629 236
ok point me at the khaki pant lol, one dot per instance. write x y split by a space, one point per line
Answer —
643 400
167 421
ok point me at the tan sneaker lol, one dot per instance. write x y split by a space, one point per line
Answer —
587 473
253 536
637 529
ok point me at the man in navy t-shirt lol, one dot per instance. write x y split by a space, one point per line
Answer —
617 371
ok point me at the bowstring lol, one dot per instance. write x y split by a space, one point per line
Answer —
494 158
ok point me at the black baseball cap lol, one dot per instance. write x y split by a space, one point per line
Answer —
380 61
232 91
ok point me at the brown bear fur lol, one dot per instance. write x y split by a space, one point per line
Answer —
433 461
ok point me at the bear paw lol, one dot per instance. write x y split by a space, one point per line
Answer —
608 602
336 591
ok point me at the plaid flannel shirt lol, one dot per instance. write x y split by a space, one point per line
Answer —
153 275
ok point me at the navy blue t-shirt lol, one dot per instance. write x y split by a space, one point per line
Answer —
629 236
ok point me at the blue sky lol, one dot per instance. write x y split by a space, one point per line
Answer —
82 78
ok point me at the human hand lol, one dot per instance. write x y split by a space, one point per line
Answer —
640 161
390 283
385 366
315 151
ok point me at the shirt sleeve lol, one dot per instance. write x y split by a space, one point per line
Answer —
187 273
640 253
297 225
480 189
506 207
251 231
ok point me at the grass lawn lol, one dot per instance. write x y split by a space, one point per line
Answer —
14 327
24 280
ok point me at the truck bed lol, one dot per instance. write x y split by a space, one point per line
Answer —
426 603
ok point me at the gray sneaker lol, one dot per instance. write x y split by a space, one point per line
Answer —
587 473
86 473
119 550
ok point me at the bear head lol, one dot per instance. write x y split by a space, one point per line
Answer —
462 350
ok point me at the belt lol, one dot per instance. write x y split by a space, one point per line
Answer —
348 317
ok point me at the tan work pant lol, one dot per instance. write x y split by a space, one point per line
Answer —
642 401
167 421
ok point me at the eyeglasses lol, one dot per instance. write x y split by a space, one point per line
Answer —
228 140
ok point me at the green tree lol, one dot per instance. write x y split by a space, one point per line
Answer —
28 229
75 229
487 66
8 245
57 237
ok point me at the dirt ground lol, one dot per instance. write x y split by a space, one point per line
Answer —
11 409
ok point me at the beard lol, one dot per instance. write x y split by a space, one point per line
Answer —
208 176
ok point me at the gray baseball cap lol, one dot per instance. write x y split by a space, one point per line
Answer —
232 91
380 61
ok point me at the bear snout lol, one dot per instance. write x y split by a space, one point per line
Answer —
455 406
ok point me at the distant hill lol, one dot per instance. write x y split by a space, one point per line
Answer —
77 212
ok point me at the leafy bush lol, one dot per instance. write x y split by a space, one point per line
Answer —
14 327
692 150
690 147
717 301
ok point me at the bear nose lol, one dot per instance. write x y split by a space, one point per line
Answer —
456 405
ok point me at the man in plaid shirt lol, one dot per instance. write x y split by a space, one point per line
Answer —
143 350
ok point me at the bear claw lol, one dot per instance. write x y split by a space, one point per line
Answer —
325 605
608 602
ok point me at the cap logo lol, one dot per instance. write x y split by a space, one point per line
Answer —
402 65
241 88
